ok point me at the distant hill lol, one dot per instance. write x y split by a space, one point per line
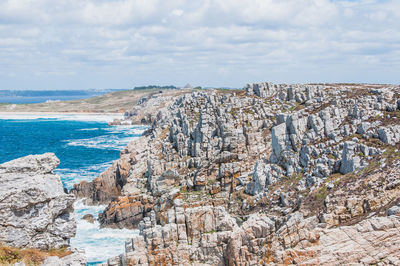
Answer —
116 101
42 93
41 96
170 87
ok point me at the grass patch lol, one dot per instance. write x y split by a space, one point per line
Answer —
210 232
296 107
30 256
321 193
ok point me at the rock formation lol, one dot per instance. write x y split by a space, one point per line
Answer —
269 174
77 258
35 211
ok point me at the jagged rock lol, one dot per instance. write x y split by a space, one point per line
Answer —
358 244
279 139
283 145
262 177
395 210
298 240
34 209
180 242
390 135
363 127
101 190
89 218
126 212
350 162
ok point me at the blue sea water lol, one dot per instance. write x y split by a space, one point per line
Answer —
85 149
39 96
39 99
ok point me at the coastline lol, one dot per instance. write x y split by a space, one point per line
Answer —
89 237
80 116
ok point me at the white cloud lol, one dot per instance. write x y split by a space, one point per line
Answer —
121 43
177 12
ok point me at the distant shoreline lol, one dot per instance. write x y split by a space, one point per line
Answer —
77 116
59 113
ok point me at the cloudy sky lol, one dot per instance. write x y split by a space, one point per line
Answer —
80 44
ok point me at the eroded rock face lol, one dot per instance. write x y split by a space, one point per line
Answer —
214 238
103 189
284 164
358 244
126 212
35 211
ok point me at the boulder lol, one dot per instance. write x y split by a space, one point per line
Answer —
363 127
395 210
35 211
89 218
389 135
350 161
261 178
77 258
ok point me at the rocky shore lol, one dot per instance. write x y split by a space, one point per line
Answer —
35 211
272 174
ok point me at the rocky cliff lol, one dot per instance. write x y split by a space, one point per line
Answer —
268 174
35 211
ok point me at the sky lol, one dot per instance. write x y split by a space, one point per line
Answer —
81 44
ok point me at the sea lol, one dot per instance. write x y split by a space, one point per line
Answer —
86 146
39 96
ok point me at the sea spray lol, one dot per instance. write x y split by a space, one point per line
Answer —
99 244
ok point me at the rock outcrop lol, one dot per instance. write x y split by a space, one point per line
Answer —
269 174
35 211
77 258
217 239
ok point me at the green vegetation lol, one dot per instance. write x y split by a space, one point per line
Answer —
193 195
321 193
211 182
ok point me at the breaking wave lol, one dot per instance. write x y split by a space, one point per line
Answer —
98 243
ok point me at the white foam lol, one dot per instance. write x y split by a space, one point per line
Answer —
75 176
99 243
69 117
131 129
106 142
114 142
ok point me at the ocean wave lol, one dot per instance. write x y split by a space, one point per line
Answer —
98 243
70 177
88 129
101 142
131 129
116 139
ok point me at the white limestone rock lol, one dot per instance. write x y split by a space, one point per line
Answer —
350 162
35 211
